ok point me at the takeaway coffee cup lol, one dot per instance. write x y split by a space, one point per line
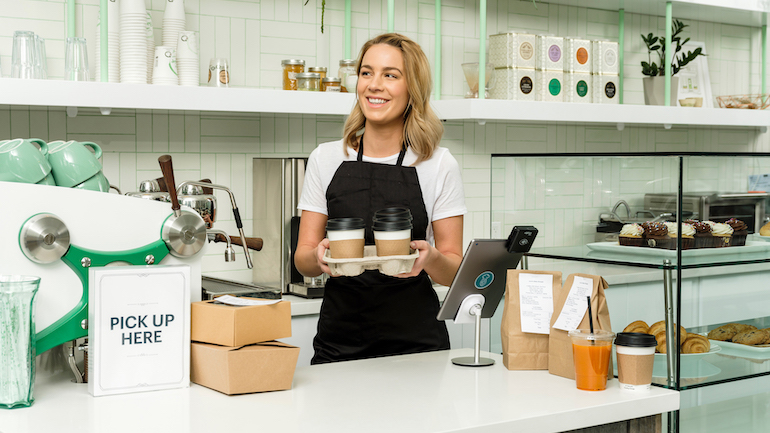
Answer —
392 236
393 212
636 355
591 353
346 237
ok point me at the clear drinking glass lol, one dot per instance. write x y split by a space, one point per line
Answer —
17 340
76 60
24 54
41 59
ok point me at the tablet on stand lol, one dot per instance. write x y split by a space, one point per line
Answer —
479 284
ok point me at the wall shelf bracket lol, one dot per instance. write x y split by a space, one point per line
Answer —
105 111
621 126
72 111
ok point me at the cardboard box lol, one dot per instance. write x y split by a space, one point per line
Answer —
228 325
240 370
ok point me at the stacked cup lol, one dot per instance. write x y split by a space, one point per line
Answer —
76 60
25 61
133 42
164 69
392 229
173 22
22 161
113 45
150 47
74 166
187 58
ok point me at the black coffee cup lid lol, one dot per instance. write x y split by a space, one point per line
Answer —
391 224
393 212
635 339
345 224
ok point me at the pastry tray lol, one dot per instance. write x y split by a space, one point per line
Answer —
615 248
388 265
743 350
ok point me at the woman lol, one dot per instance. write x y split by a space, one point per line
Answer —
389 156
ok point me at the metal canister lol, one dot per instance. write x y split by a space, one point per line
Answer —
205 204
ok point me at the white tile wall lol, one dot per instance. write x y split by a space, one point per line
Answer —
256 35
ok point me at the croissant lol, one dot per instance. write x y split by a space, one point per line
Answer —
660 337
696 344
657 327
639 326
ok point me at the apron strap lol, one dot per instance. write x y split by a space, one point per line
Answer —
360 156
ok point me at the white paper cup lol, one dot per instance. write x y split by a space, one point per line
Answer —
174 9
187 46
219 73
164 68
636 355
346 237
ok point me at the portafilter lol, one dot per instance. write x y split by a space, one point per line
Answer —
236 213
184 232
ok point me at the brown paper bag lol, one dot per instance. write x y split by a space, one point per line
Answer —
523 350
560 360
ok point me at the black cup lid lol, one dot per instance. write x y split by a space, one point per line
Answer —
345 224
391 224
635 339
393 212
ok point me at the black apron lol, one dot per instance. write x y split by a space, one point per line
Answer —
374 314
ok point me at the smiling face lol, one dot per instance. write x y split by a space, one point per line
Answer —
382 88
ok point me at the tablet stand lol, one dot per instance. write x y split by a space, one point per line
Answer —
470 310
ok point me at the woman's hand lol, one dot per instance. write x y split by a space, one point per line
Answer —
426 251
320 252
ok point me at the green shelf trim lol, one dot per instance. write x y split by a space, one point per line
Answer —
669 54
348 27
437 71
764 59
621 50
69 327
104 47
482 48
70 18
391 16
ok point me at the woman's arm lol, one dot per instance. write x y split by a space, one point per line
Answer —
311 244
442 261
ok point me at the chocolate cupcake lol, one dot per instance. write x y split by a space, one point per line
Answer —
656 234
703 236
723 234
632 235
740 231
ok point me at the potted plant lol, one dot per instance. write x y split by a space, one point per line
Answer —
654 84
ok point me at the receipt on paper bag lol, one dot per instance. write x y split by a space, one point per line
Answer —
536 302
575 306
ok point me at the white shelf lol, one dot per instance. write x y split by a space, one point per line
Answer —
739 12
58 93
55 93
555 112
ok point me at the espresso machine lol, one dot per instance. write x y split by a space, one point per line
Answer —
277 188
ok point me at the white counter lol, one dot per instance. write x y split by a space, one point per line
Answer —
412 393
302 306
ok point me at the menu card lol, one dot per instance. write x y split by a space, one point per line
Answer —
536 302
576 305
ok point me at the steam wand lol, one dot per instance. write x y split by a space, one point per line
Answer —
236 214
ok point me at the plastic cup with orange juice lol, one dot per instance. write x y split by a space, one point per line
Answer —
591 353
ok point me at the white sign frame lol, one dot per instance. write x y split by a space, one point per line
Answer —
138 328
694 79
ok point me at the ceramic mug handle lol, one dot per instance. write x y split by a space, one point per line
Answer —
43 145
95 147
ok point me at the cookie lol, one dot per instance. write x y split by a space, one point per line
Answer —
723 333
751 337
741 327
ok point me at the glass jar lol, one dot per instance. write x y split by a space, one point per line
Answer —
331 84
318 70
291 67
309 81
17 339
347 69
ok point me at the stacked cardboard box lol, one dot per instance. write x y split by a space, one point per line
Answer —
234 349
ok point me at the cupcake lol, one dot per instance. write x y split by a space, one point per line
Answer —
656 234
688 236
740 231
723 234
632 235
703 236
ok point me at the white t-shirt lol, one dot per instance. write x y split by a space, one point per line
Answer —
439 176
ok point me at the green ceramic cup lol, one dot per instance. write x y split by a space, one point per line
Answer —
22 161
97 182
73 162
48 180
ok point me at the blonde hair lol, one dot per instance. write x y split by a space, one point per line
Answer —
422 128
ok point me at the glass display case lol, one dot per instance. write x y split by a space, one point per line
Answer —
580 203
